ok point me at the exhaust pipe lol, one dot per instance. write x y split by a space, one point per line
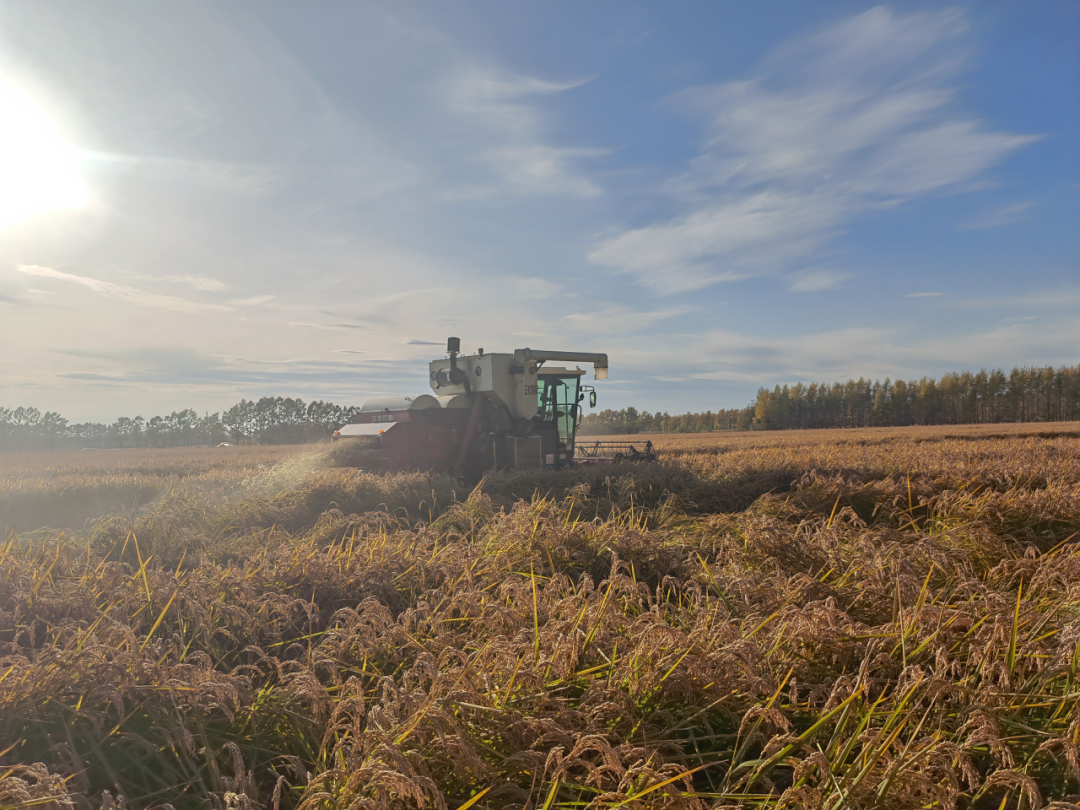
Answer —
453 375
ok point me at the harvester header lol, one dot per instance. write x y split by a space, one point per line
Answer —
489 411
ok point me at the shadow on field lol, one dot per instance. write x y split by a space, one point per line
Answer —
72 507
300 495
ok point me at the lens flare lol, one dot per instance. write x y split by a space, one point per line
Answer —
39 170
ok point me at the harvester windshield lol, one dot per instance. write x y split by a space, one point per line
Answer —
557 397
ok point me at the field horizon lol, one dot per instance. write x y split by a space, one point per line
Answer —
65 488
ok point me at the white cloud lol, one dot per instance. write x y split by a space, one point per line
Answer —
535 288
853 352
726 355
816 280
852 120
724 241
999 216
535 168
616 319
122 293
496 97
254 301
327 325
195 282
1068 298
497 101
457 194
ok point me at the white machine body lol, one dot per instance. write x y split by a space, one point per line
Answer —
511 378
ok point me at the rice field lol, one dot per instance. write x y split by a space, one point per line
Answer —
66 489
881 618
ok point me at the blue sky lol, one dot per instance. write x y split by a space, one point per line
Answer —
203 202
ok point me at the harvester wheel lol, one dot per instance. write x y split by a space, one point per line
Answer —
618 458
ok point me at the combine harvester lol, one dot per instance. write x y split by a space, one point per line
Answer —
489 412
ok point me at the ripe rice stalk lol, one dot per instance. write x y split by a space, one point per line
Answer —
914 600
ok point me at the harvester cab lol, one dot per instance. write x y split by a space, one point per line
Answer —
489 411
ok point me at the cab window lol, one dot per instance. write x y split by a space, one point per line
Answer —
556 397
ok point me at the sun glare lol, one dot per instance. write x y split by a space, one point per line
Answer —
39 171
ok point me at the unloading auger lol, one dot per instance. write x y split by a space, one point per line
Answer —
495 411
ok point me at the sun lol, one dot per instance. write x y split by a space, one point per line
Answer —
39 170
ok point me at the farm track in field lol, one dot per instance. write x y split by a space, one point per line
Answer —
828 619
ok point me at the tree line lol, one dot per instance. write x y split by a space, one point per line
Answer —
631 420
269 420
1030 394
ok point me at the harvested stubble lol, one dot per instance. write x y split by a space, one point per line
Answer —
827 623
66 489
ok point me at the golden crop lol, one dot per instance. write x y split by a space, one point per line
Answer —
884 618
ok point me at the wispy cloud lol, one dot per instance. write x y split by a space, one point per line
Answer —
195 282
855 119
757 232
326 325
347 351
999 216
924 295
615 319
536 168
727 355
123 293
497 96
1068 298
816 280
534 288
185 367
91 376
499 102
839 354
254 301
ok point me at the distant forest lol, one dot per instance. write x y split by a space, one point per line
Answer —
1023 395
270 420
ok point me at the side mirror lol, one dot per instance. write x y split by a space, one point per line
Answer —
592 399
